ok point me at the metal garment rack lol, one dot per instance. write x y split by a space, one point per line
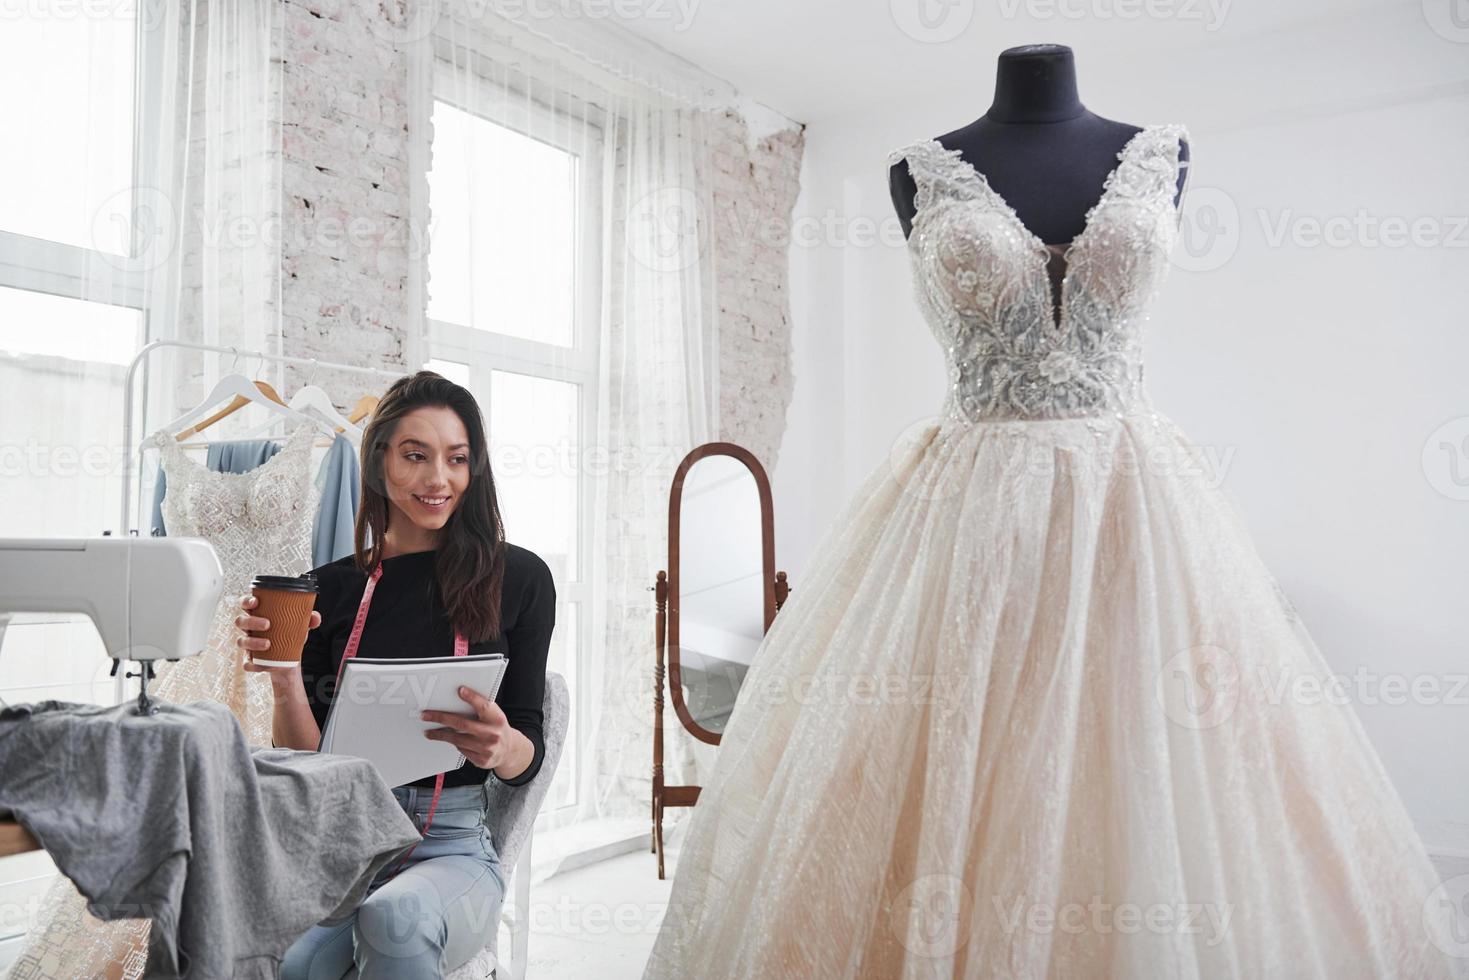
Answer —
134 454
142 356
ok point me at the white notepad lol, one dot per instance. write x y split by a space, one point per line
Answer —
376 711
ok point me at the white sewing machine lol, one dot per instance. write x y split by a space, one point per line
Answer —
150 598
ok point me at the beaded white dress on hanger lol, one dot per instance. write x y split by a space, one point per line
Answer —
1021 716
259 522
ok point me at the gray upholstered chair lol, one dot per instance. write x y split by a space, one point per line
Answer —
512 818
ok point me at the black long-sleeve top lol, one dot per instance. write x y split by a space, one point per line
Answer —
408 619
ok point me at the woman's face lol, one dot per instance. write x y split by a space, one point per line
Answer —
426 467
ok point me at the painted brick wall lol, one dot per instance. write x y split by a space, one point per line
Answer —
755 187
345 251
346 248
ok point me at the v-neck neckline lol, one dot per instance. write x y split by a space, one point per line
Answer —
1032 237
1056 312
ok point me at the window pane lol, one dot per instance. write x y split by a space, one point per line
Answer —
534 451
64 660
61 374
502 241
69 138
455 371
60 454
39 323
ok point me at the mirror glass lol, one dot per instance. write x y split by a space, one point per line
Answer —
721 597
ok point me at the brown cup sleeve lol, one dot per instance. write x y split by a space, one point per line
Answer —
289 613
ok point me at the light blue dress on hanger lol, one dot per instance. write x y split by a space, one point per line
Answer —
338 480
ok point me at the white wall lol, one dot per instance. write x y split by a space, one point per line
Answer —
1318 373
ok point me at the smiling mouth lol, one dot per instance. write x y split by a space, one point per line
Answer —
431 501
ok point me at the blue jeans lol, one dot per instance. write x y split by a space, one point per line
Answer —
430 918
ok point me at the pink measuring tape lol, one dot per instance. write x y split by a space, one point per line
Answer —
461 647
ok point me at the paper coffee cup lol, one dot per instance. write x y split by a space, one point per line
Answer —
287 602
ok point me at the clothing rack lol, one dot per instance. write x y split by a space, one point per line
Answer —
134 454
141 357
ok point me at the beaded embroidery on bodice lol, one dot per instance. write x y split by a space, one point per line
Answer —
259 522
982 283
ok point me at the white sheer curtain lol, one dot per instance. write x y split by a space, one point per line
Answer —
570 277
208 203
141 202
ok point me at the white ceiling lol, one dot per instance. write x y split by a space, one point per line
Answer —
813 59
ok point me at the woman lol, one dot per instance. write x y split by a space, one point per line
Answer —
429 521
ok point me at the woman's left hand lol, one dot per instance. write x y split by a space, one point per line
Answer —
483 738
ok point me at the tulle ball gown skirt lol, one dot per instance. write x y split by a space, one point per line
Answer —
1030 713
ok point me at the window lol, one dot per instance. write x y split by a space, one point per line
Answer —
513 307
78 180
520 283
63 353
71 318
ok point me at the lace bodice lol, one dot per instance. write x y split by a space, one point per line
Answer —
982 281
259 521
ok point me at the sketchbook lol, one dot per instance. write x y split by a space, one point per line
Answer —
376 711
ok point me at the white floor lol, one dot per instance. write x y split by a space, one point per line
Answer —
598 922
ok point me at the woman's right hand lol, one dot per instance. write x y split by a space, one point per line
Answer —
258 624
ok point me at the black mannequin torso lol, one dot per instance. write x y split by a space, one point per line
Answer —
1037 145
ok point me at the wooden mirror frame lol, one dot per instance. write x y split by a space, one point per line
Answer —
775 588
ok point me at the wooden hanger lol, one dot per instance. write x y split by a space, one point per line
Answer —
365 406
237 403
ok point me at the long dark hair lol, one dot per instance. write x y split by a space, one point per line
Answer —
470 567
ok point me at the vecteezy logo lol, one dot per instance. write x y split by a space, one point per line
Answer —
932 21
931 917
1446 458
1209 234
142 222
1199 687
1446 916
1449 19
917 476
666 229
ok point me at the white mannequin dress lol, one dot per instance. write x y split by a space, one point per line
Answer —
1017 719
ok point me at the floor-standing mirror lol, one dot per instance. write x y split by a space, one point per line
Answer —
716 599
